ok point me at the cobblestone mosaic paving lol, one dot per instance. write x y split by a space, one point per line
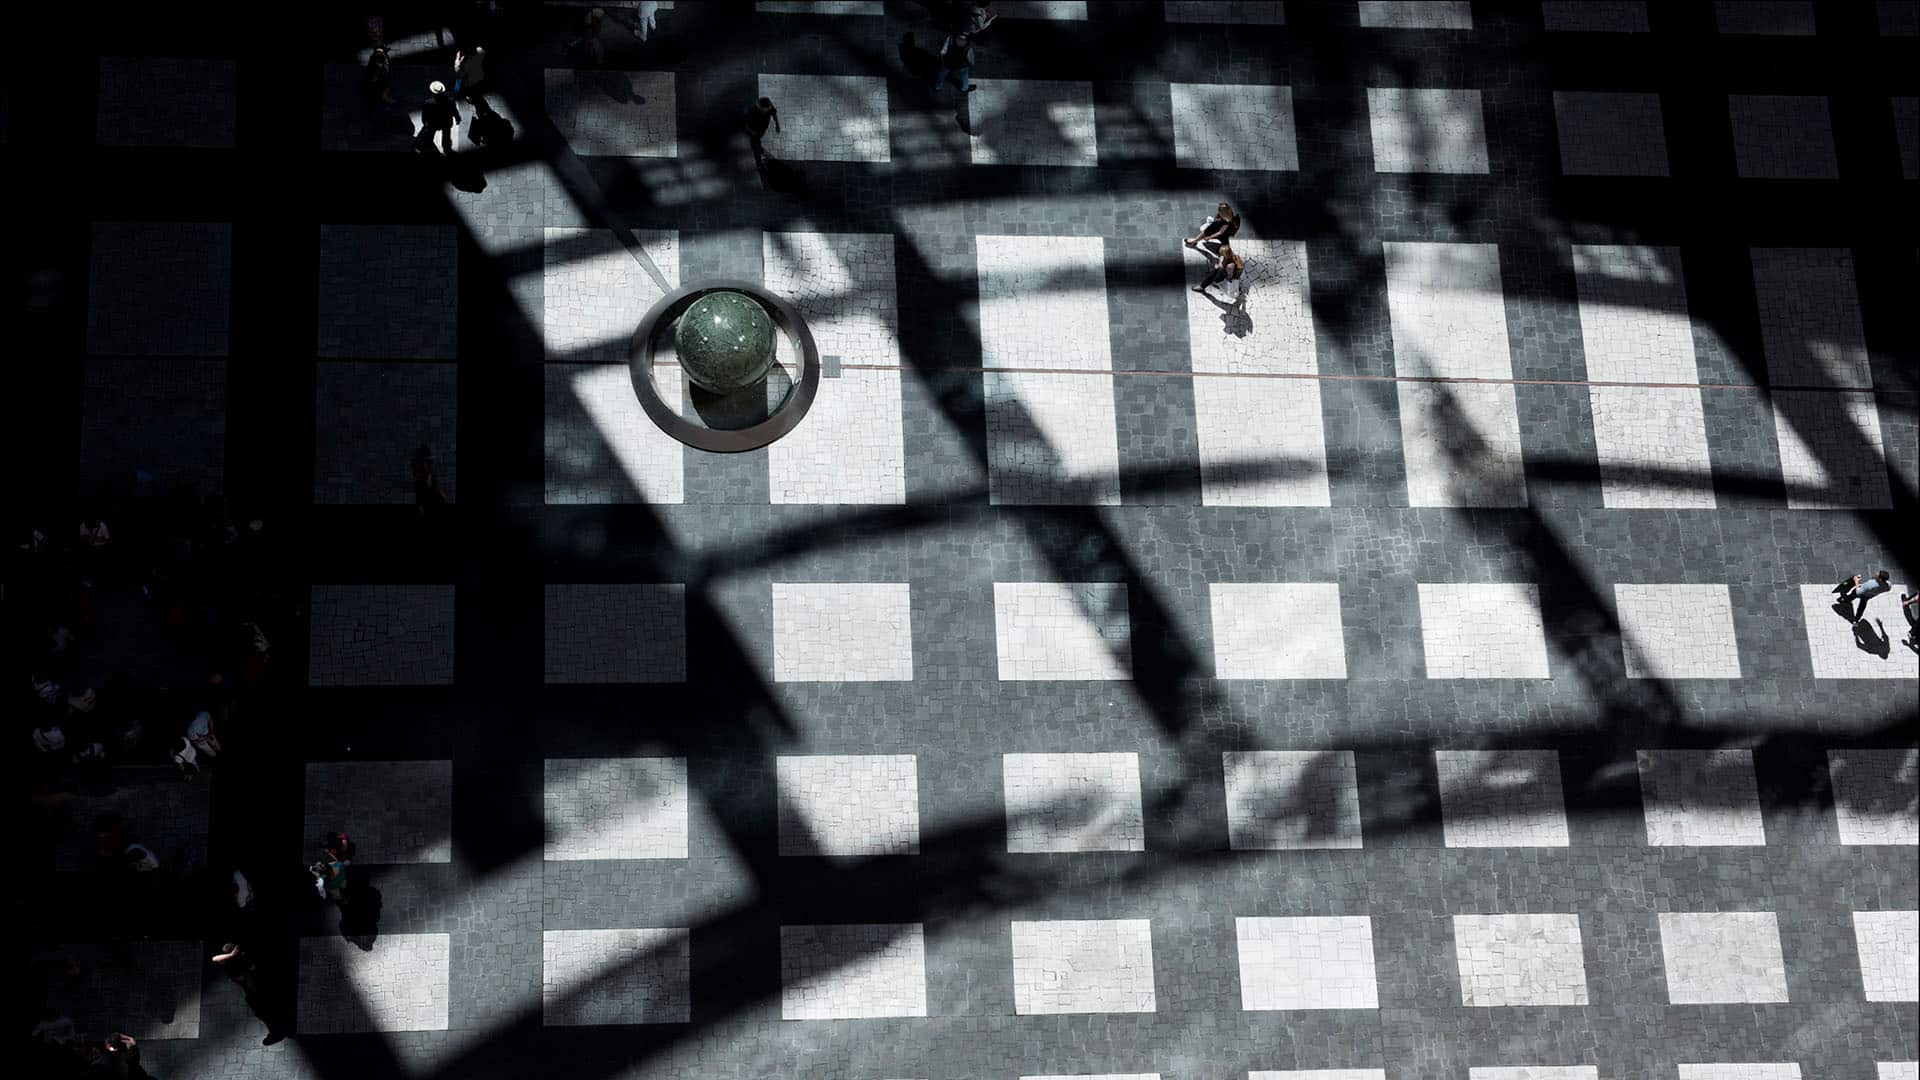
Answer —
1415 660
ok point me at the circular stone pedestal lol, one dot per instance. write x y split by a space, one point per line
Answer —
724 342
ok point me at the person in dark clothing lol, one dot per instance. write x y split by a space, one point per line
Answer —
758 117
427 495
1222 227
1228 267
438 117
377 84
956 59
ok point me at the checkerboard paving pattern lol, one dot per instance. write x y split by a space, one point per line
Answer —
1677 631
165 417
616 633
148 989
610 113
852 972
1700 798
399 985
1595 16
1050 630
1843 650
380 635
1519 960
1889 944
595 290
1032 122
1783 137
165 101
368 421
1462 440
1483 631
1610 133
1233 126
1501 798
1277 631
618 976
852 448
1073 802
1051 429
1262 439
828 117
1416 14
599 445
1634 326
1292 799
1722 957
1306 963
1876 795
846 806
1083 966
1427 130
1811 331
842 632
616 808
395 811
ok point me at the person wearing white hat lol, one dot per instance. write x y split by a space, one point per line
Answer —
438 117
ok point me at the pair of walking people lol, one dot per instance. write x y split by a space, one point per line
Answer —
441 113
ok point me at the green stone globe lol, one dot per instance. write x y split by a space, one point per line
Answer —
724 341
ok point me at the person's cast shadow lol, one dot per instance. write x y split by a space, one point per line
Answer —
360 910
1870 637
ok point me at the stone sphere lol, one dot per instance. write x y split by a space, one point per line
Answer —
724 341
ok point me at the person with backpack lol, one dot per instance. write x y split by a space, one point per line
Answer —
956 59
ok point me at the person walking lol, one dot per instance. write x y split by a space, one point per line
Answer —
588 45
438 117
649 17
1859 591
1228 266
1223 226
469 73
956 59
758 116
377 84
1910 607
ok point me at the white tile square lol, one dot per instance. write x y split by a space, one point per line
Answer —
1501 798
1051 436
400 985
600 445
1097 1076
1811 331
849 805
1610 133
1416 14
616 808
380 635
1831 454
147 989
610 634
1093 966
618 976
1651 444
1234 126
853 971
1448 317
1306 963
1489 630
1042 9
1889 944
1738 1070
1251 12
1722 957
1073 802
1634 321
1519 960
842 631
1677 631
1292 799
1897 1070
1876 795
1031 122
1055 630
1426 130
1783 137
828 117
1262 440
1835 646
608 112
594 291
1700 798
1277 631
1317 1074
1595 16
1763 16
1534 1072
396 811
